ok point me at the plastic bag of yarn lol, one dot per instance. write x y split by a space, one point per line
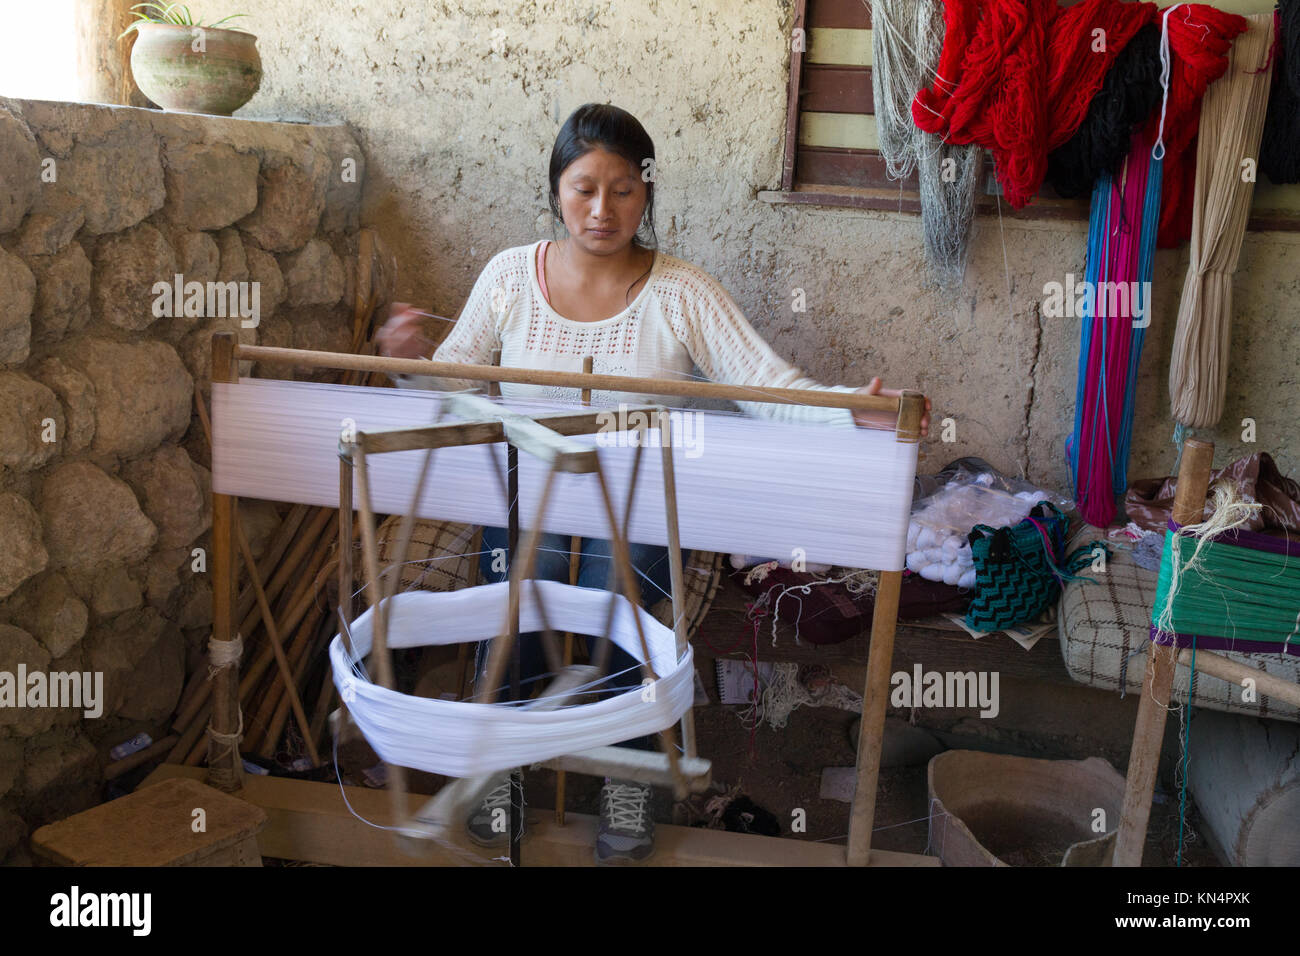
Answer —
1015 568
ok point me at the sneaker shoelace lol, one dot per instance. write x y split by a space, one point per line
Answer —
625 806
499 797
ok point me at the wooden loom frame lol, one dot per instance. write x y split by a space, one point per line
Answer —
225 766
1158 679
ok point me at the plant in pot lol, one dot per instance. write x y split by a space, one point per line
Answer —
189 67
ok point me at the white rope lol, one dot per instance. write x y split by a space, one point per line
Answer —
224 653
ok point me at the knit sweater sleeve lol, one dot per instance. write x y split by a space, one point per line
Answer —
476 332
727 349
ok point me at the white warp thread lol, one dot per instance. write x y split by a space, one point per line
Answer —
459 738
749 486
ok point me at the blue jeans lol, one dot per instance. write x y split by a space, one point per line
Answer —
650 561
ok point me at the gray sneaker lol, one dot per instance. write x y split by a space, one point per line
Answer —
627 831
489 824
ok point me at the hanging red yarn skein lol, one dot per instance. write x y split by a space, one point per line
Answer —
1017 77
1076 68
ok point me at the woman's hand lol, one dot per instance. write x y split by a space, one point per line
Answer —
870 419
402 336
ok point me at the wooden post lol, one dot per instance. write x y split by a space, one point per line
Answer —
380 657
880 659
1158 681
575 560
676 575
345 545
225 768
104 61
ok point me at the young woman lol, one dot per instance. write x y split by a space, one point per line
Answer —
605 290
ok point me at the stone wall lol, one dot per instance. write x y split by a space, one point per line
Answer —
104 482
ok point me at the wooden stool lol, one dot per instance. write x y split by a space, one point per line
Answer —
155 827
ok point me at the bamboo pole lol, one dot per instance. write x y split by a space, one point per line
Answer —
1158 680
131 761
303 652
248 622
1226 669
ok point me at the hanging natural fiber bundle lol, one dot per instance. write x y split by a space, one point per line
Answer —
1200 37
1128 96
948 173
895 77
907 37
1232 122
1279 153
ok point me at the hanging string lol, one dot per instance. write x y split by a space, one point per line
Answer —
1232 124
1187 745
1116 310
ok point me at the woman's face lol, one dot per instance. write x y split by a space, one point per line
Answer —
602 199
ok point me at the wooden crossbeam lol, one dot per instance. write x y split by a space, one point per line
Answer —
310 822
643 766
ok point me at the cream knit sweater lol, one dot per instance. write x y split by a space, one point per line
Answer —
681 319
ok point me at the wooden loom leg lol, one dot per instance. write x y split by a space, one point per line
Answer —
676 574
575 559
1144 758
1158 680
871 730
225 768
379 653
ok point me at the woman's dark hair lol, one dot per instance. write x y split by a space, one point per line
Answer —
604 126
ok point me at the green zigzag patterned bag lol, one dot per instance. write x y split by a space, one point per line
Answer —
1015 576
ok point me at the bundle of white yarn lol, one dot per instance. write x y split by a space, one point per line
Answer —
940 556
937 544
